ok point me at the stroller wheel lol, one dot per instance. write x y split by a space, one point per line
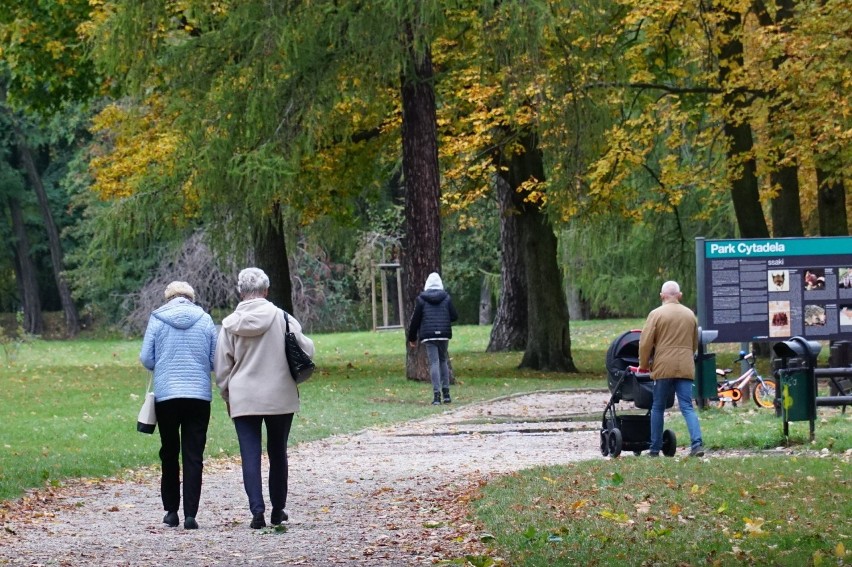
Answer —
615 442
669 443
637 453
604 442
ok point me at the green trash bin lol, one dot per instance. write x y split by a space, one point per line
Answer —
705 385
798 399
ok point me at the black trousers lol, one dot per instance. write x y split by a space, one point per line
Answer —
183 432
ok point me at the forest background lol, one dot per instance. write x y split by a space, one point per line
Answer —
552 159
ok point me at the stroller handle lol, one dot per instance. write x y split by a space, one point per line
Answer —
635 371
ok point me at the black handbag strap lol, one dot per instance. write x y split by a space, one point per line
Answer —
286 323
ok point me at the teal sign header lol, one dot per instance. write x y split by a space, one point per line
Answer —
777 247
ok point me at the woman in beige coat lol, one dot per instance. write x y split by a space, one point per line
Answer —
255 382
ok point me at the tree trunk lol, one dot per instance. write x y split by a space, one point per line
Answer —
786 210
72 321
485 302
548 336
509 332
421 247
270 251
831 204
742 169
28 283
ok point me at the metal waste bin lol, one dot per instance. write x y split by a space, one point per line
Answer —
704 387
798 384
798 395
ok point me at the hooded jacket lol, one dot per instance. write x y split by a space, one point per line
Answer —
178 347
251 364
670 337
433 313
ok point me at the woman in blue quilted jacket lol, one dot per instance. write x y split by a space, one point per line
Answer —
178 347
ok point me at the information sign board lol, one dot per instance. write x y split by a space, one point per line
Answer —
774 289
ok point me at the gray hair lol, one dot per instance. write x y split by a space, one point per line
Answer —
670 288
252 282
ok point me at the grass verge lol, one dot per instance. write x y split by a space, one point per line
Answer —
768 510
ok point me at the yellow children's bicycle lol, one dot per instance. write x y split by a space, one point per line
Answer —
732 391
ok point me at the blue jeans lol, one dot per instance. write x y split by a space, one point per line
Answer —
683 391
439 371
250 435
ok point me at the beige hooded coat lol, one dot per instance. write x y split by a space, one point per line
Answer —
251 366
670 337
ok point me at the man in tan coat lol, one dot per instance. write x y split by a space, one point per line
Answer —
670 337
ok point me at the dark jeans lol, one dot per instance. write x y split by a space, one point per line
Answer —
249 434
183 432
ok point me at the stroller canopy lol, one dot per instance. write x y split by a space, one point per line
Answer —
623 352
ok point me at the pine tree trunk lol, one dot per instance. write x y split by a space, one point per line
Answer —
72 321
26 272
509 332
270 251
421 248
831 204
741 164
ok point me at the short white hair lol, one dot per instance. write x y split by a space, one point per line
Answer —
252 281
670 288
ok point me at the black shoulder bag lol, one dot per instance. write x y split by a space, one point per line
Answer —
301 365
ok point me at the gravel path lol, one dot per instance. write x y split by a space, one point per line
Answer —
388 496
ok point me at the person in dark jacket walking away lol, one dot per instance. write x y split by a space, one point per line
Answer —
179 346
431 322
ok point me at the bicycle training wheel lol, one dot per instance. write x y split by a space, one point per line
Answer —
764 395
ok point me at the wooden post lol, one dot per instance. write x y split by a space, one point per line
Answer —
373 293
399 296
384 298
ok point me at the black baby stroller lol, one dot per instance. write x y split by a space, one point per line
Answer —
631 432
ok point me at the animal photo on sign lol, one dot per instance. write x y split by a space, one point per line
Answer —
846 315
814 279
779 318
778 280
814 316
844 279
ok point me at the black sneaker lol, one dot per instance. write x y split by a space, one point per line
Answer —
447 399
258 522
436 399
697 451
653 454
277 517
189 523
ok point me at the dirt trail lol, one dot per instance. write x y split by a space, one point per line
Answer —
386 496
